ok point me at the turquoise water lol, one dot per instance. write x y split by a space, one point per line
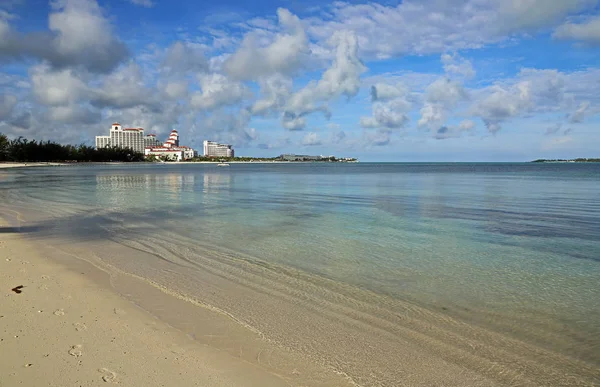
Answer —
518 243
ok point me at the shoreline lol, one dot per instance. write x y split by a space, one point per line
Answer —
259 312
68 326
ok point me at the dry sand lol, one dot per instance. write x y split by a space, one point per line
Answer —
68 328
18 165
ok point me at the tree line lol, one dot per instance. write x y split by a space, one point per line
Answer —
21 149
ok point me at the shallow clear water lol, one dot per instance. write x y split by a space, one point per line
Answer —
518 243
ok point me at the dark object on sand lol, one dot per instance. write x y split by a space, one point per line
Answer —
17 289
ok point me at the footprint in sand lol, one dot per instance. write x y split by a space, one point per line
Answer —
75 350
79 326
107 375
59 312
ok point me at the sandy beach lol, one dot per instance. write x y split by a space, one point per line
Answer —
67 328
20 165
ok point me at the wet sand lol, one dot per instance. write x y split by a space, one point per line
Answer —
67 327
282 325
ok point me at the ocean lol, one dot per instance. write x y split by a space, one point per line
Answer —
378 272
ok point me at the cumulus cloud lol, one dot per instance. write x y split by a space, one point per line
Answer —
523 15
182 58
74 114
125 88
79 35
57 87
7 104
228 127
441 96
274 91
445 132
536 91
284 55
380 137
385 92
588 32
342 78
433 26
390 107
291 121
311 139
503 103
456 65
217 91
175 89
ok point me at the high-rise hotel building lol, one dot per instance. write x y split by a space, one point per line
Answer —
214 149
126 138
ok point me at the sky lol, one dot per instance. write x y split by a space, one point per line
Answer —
413 80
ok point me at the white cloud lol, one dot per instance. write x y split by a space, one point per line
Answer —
80 35
125 88
579 114
181 58
385 92
74 114
503 103
588 31
527 14
445 132
274 91
7 104
284 55
57 87
434 26
311 139
292 122
456 65
341 78
390 107
440 97
388 115
176 89
217 91
380 137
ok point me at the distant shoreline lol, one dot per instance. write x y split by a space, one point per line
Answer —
578 160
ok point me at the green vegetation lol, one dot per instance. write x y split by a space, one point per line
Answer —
21 149
230 159
267 159
579 160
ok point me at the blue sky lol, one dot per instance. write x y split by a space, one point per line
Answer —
428 80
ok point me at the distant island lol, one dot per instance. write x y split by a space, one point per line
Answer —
579 160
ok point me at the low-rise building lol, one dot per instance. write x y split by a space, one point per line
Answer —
292 157
171 150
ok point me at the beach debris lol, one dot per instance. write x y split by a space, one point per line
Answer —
17 289
107 375
59 312
79 326
75 350
28 365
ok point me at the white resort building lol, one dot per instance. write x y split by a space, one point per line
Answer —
126 138
135 139
214 149
171 150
